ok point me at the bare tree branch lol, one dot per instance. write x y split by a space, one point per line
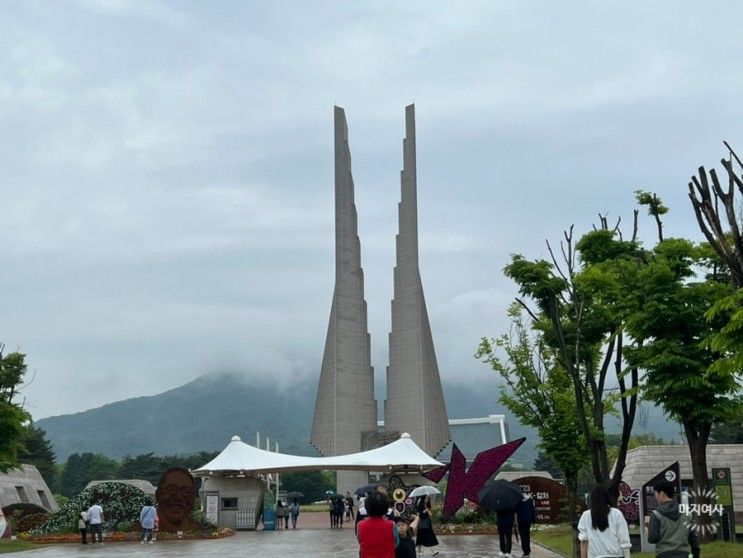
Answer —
528 310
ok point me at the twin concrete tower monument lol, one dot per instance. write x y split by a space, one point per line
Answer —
345 419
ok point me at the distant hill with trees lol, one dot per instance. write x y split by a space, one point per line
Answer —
204 414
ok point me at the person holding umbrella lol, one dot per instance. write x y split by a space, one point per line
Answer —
425 535
331 507
502 497
294 511
504 521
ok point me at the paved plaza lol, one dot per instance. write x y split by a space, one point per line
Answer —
309 542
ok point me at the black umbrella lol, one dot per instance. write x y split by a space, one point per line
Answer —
500 495
363 490
332 495
292 495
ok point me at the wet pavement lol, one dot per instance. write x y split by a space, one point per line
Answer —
272 544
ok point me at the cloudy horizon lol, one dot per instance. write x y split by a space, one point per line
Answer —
167 169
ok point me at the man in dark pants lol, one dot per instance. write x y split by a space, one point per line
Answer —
504 521
349 506
95 515
525 516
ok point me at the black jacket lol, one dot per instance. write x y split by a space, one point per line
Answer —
525 513
504 518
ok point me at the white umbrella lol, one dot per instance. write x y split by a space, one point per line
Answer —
424 491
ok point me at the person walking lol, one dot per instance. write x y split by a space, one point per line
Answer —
349 507
281 515
338 508
377 535
147 516
525 516
82 526
666 528
602 529
331 510
425 537
294 511
95 516
504 521
361 513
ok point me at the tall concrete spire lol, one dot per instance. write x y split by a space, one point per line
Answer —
345 407
415 400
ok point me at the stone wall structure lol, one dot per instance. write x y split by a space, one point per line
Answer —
415 399
345 407
25 485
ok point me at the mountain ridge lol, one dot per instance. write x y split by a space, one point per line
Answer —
203 414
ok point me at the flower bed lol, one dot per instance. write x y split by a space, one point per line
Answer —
466 529
118 536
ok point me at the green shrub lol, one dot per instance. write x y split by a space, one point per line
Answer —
120 502
198 516
61 499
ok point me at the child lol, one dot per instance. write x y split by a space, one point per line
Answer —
82 526
405 532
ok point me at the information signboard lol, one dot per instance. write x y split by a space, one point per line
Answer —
722 483
549 497
212 508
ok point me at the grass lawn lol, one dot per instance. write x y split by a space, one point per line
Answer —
558 538
314 508
7 545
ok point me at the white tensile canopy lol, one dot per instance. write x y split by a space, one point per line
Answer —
239 458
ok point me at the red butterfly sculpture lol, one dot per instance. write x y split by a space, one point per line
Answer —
467 483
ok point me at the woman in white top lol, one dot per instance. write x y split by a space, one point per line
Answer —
602 530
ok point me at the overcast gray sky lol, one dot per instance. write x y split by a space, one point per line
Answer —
166 171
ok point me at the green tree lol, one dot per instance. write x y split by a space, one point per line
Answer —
544 463
312 484
150 467
37 450
79 470
12 415
635 441
579 310
193 461
146 467
539 392
655 206
717 210
730 432
670 301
